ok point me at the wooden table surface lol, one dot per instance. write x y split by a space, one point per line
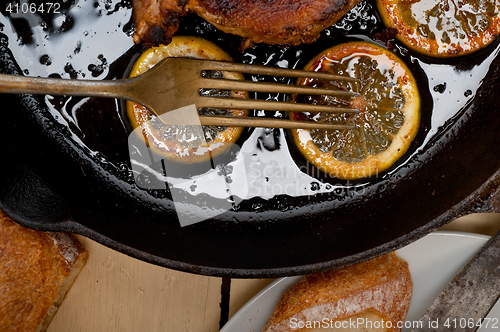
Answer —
115 292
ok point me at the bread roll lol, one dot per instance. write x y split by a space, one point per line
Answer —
371 296
37 270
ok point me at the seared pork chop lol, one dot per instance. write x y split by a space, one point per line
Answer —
288 22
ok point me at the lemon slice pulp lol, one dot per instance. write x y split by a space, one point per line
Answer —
388 102
178 143
444 27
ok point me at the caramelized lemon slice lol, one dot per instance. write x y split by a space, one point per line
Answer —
389 112
186 144
444 27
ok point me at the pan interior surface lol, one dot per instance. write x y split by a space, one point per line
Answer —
294 219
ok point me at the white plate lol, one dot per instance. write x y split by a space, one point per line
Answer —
434 260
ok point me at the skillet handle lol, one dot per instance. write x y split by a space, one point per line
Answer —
30 201
24 195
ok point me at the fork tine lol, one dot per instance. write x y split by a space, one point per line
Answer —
225 84
237 121
266 70
250 104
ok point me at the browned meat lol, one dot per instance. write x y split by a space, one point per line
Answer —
156 21
290 22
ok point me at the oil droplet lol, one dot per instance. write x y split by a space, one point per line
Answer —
45 60
440 88
315 186
256 206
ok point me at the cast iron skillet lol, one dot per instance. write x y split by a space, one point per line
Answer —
50 182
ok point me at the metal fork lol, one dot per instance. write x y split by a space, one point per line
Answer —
176 82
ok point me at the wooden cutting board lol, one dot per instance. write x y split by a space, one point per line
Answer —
115 292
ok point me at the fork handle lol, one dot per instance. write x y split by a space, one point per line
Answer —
56 86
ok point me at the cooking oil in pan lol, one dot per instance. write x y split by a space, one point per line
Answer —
92 40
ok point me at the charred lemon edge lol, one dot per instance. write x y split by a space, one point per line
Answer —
373 164
425 45
138 115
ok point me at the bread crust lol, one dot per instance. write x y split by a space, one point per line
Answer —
34 267
382 285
